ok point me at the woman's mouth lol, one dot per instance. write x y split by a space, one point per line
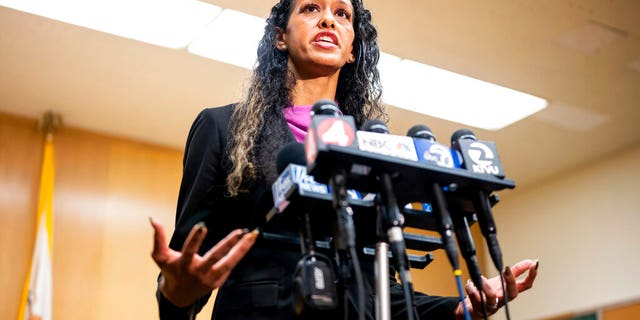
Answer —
326 40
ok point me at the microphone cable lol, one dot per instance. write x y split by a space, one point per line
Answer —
346 239
359 282
458 276
505 296
468 251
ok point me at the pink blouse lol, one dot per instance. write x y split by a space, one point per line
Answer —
298 118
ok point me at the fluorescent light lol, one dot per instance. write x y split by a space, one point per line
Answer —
447 95
232 38
167 23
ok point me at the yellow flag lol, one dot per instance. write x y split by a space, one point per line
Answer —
37 296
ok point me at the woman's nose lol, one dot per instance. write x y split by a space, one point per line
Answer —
327 20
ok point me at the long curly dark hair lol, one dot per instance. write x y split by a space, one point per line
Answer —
255 120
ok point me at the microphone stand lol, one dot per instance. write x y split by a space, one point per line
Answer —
383 296
393 221
346 238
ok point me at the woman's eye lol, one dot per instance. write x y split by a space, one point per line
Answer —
310 8
343 14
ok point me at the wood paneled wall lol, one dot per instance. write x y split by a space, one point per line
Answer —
20 157
622 312
105 190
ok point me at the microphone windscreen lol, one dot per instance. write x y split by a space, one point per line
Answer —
375 126
292 152
421 131
462 134
326 107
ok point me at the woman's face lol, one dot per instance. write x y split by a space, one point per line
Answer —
319 37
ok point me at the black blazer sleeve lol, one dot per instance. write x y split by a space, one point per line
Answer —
203 176
202 185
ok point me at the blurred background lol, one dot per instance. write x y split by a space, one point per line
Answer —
127 106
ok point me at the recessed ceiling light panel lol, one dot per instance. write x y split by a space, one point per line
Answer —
167 23
451 96
231 38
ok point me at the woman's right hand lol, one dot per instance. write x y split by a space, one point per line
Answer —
186 275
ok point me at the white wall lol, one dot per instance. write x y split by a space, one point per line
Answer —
584 227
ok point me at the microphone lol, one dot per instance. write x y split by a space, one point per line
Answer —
422 135
325 107
467 143
327 127
479 156
436 153
291 153
376 126
314 280
422 132
392 217
294 182
429 151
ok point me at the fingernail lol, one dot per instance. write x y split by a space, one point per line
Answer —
254 234
201 225
537 264
507 271
150 220
470 284
244 231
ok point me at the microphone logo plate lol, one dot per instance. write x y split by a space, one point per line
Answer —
388 145
336 131
482 157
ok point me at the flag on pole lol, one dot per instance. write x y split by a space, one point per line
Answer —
37 298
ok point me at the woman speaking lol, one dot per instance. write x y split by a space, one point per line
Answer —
311 50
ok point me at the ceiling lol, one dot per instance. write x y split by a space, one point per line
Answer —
581 55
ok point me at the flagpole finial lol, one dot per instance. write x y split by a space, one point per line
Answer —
50 122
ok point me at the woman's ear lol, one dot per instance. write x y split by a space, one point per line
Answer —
352 58
281 40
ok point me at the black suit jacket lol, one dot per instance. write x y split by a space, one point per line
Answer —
261 286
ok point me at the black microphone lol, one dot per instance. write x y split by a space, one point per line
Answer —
314 279
421 131
438 203
443 217
479 156
325 107
376 126
394 223
479 197
291 153
329 127
293 182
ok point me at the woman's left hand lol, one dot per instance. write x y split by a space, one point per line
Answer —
492 289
